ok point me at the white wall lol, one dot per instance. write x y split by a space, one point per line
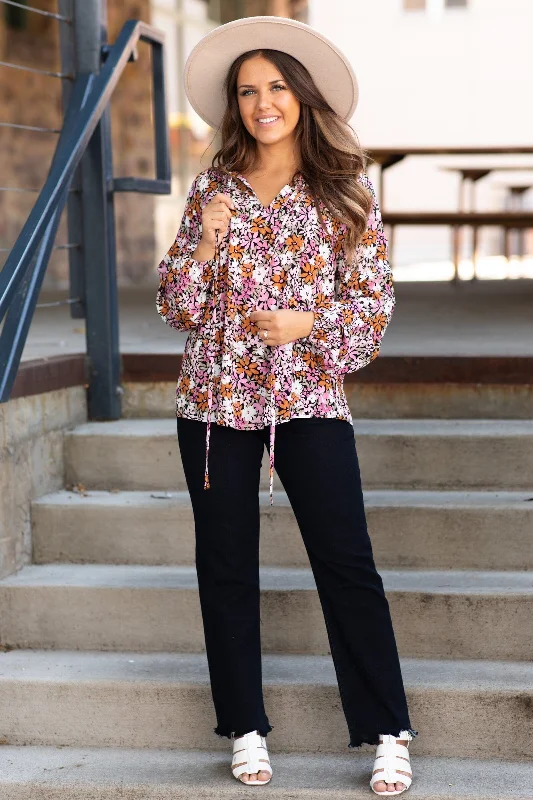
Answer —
453 77
166 15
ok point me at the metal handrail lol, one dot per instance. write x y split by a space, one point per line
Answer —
19 284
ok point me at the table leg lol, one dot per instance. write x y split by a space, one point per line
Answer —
475 251
507 239
456 244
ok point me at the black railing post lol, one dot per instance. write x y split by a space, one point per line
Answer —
98 251
67 43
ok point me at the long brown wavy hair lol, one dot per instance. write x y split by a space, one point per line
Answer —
331 156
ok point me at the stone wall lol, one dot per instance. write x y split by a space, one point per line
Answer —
31 463
35 100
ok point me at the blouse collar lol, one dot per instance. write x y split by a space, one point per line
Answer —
297 183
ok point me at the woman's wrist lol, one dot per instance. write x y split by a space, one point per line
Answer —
204 252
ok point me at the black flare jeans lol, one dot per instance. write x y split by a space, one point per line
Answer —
317 464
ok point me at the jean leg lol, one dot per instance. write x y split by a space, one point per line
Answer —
226 518
317 463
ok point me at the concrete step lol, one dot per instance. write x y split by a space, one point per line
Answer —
401 454
449 614
409 529
469 709
130 774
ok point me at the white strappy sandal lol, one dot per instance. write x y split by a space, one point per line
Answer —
250 752
390 758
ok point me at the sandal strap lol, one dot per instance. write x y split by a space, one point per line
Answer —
392 750
392 759
250 752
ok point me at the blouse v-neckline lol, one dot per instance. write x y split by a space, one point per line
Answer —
282 192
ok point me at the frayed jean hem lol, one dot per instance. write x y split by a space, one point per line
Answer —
356 740
223 732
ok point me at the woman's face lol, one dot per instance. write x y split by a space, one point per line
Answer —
269 109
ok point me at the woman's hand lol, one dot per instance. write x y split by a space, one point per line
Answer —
283 326
215 217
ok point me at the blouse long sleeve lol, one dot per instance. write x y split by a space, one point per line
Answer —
347 331
184 282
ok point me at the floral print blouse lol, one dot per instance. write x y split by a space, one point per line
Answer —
273 257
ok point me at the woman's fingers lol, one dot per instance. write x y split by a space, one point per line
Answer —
263 321
264 317
216 216
223 215
225 199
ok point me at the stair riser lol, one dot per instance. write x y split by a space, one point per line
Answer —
400 462
149 619
402 537
305 718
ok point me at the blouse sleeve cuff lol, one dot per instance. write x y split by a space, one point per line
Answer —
320 334
324 338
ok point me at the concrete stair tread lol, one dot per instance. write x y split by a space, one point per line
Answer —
135 576
171 774
161 668
376 498
381 427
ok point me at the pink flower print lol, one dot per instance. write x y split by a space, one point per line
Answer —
275 262
322 391
259 407
276 226
241 381
265 302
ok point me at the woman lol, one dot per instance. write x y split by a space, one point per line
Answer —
279 272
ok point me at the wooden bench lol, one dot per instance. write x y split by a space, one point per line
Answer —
507 220
387 157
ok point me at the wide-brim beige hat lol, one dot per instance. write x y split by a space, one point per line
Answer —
208 63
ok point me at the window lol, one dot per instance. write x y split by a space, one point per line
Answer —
435 6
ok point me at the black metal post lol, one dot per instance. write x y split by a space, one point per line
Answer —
98 252
67 46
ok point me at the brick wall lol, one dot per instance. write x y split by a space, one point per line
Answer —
35 100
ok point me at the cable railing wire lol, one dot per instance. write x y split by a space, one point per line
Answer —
68 301
36 71
34 10
25 190
28 127
69 246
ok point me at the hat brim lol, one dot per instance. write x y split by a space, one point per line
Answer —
209 61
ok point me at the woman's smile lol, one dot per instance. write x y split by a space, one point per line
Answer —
268 120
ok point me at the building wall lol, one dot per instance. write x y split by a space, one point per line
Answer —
440 77
27 99
35 100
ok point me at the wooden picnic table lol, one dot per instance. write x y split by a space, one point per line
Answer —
472 175
386 157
